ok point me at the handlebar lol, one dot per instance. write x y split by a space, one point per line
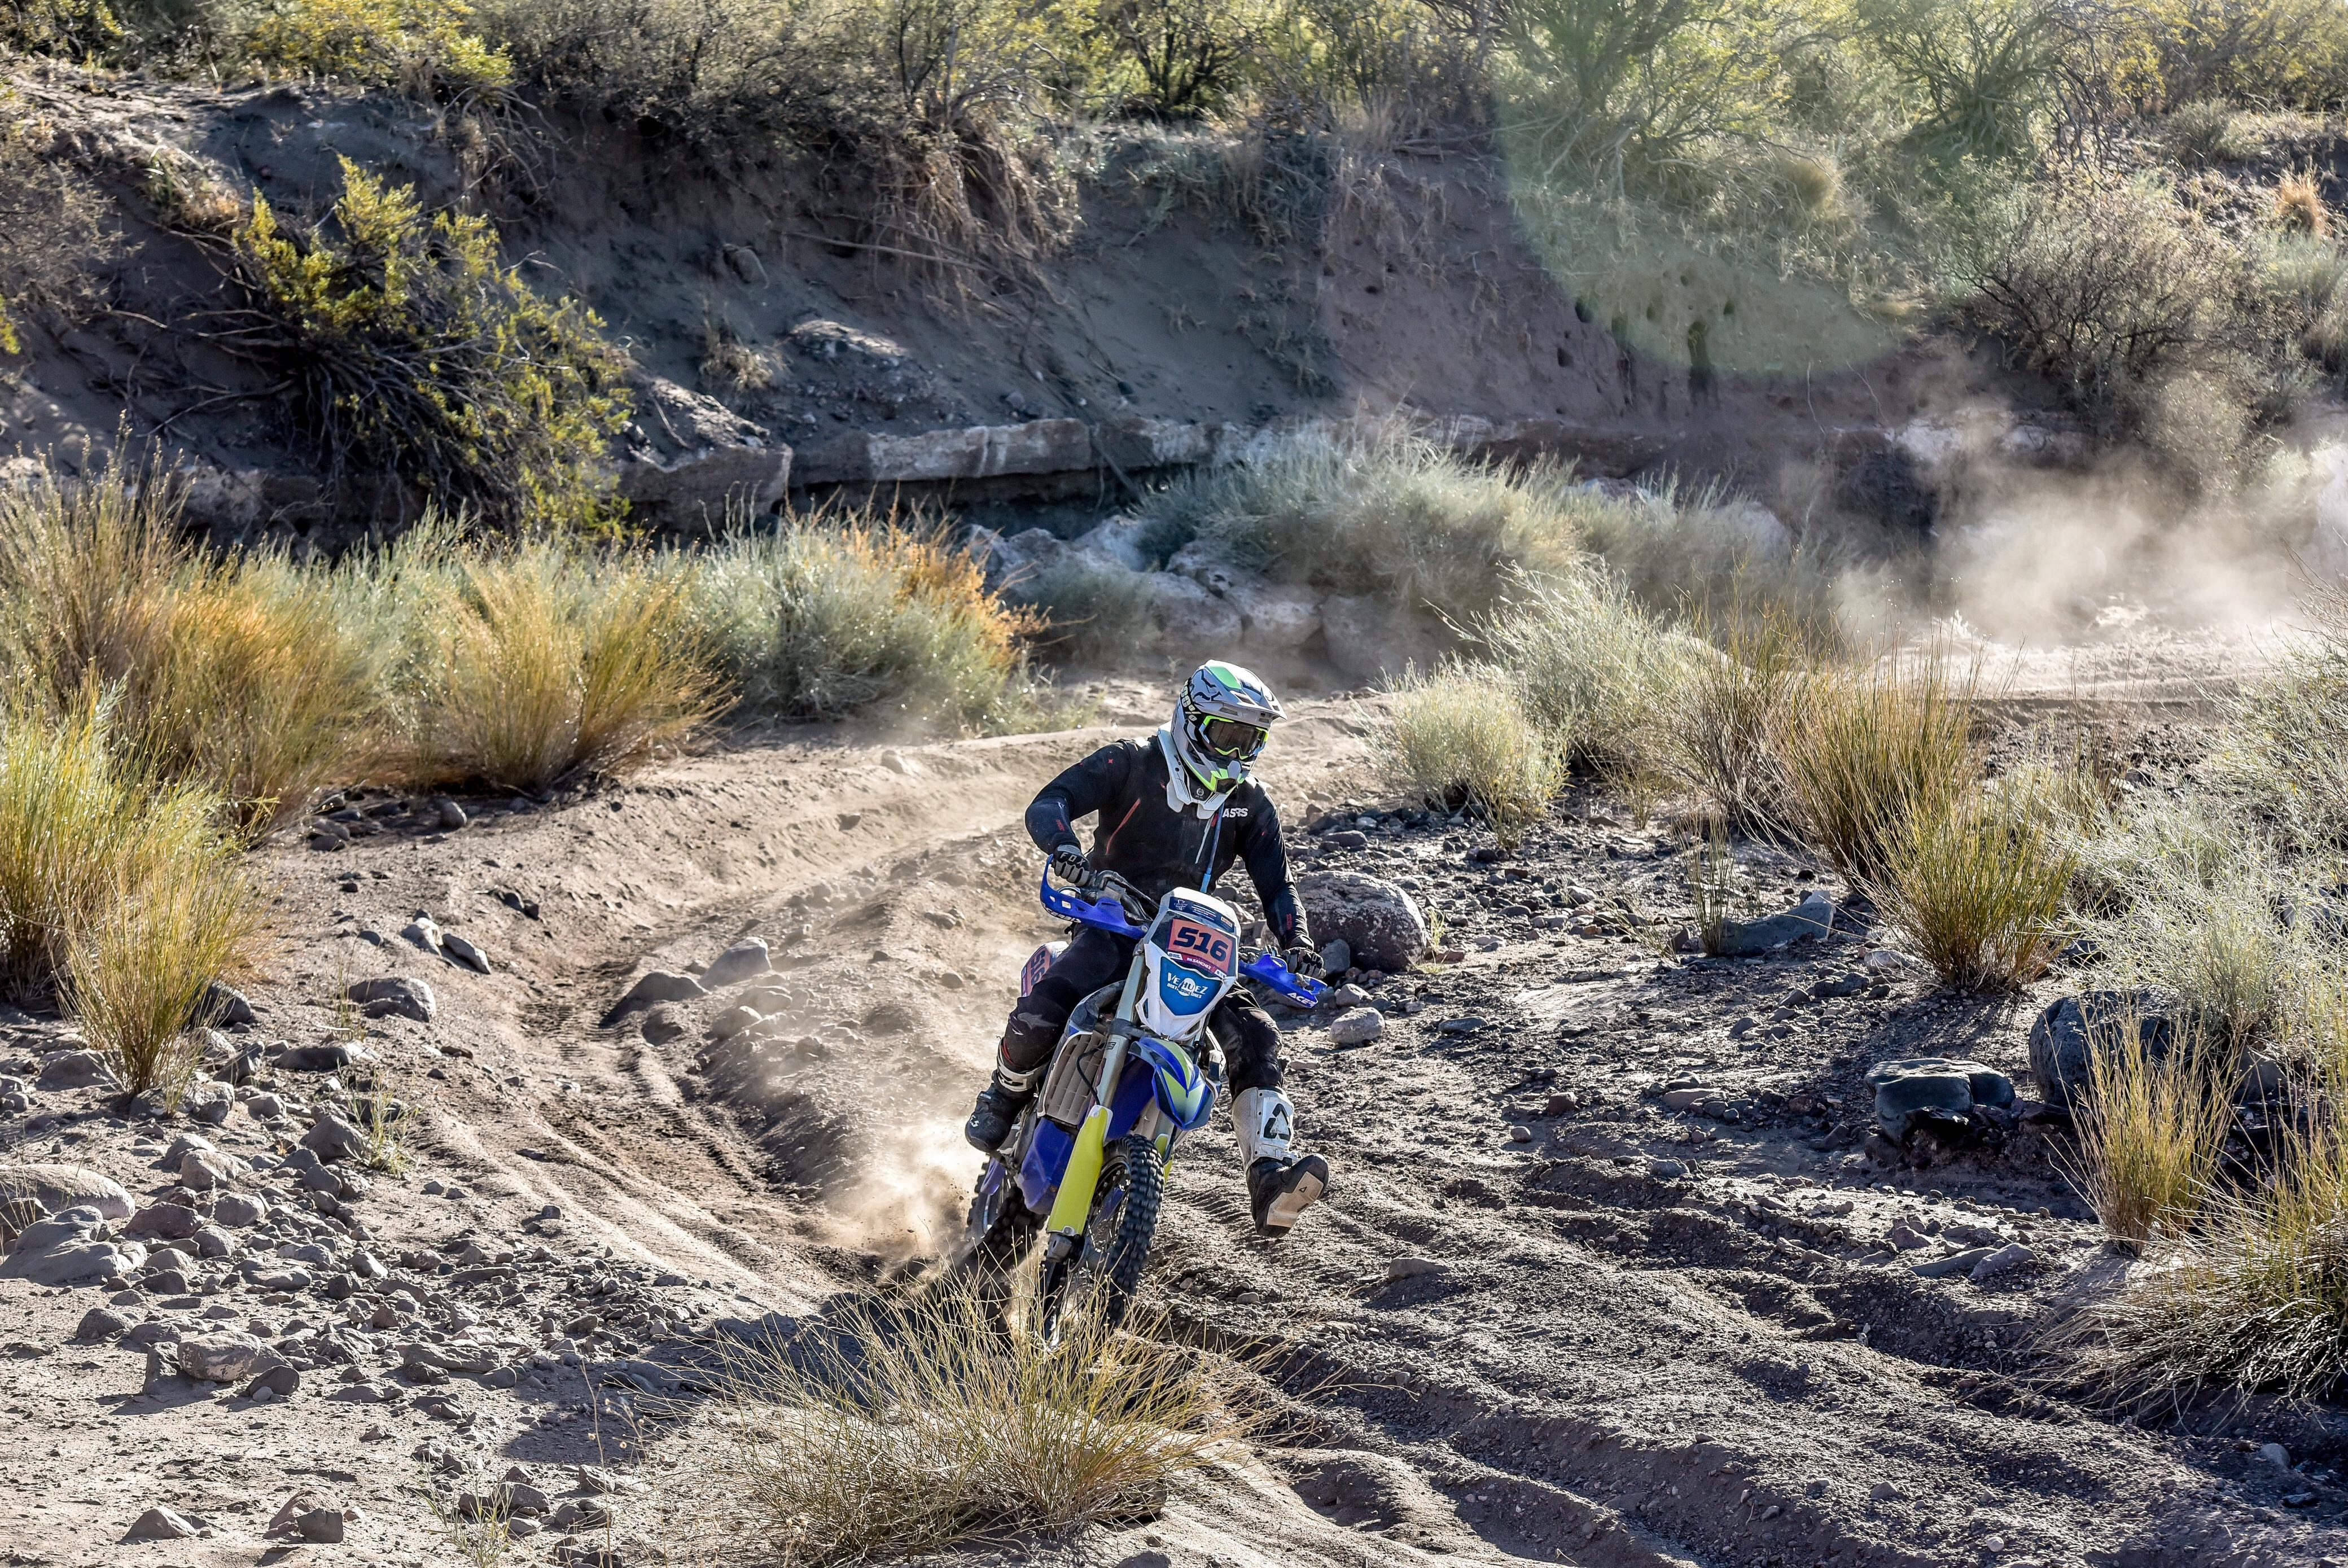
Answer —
1108 913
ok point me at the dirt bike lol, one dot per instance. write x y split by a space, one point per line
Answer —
1135 1068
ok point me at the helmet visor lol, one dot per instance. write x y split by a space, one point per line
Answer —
1230 740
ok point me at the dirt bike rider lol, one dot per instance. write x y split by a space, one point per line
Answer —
1174 810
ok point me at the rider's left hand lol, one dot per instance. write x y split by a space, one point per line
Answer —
1304 962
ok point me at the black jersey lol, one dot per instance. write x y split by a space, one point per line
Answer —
1157 848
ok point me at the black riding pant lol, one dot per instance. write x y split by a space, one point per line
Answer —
1251 1040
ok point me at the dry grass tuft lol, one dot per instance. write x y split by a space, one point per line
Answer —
545 662
116 891
1977 885
1864 751
2299 206
2149 1146
1459 738
865 611
2254 1297
1591 667
1729 704
891 1432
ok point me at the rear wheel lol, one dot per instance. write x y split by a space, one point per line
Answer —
1105 1269
996 1237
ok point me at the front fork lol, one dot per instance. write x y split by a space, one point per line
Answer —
1064 1228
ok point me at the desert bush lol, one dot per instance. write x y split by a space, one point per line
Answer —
890 1431
529 664
1864 751
426 48
116 891
1719 557
1588 665
1983 71
832 616
2109 289
1389 513
413 356
2148 1145
1459 738
2285 751
55 225
1094 611
238 675
1976 886
2254 1297
2209 131
78 29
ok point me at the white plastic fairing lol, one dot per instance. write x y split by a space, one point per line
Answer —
1191 961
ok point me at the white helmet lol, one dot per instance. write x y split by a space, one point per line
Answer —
1221 723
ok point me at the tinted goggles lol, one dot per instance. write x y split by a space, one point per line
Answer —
1231 740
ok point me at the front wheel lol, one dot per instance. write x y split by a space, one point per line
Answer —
1106 1270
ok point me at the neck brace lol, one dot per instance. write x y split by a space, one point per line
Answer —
1181 789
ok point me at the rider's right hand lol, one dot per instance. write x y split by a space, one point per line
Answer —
1068 863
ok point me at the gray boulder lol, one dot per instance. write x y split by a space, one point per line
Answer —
1934 1091
332 1138
1275 616
208 1102
226 1357
1356 1026
53 1188
171 1222
70 1248
1187 616
743 961
239 1210
1816 915
1380 924
76 1069
202 1170
2071 1029
161 1524
330 1057
225 1008
660 986
394 996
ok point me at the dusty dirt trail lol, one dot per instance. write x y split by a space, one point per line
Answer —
1630 1338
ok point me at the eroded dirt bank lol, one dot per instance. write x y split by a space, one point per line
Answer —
1548 1314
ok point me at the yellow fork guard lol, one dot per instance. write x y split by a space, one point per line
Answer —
1075 1202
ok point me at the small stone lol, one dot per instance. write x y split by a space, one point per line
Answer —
98 1323
75 1070
171 1222
1666 1169
738 962
264 1108
1683 1098
664 1024
2003 1261
463 952
1518 1133
660 986
1413 1267
1962 1263
394 996
1337 957
2276 1455
332 1139
238 1210
160 1523
320 1526
1358 1026
225 1357
732 1022
202 1170
1883 1492
277 1382
225 1008
450 815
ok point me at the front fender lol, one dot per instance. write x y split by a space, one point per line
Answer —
1186 1094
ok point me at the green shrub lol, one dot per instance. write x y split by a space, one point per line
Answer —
831 616
1094 613
411 355
1459 738
424 46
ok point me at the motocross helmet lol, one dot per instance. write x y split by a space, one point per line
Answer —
1221 723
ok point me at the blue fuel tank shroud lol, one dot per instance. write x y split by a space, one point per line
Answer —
1048 1152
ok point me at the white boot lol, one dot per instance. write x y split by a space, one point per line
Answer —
1281 1186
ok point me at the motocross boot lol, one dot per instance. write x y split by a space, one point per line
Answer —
1280 1185
998 1108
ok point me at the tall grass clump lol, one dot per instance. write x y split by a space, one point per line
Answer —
891 1432
2254 1297
2286 749
239 674
118 893
1977 883
1461 738
1591 669
1865 750
2148 1146
826 617
533 664
1389 514
1732 697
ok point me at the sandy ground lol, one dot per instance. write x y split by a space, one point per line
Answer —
1541 1316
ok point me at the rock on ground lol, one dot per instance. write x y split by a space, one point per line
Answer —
1379 922
53 1188
394 996
2066 1033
